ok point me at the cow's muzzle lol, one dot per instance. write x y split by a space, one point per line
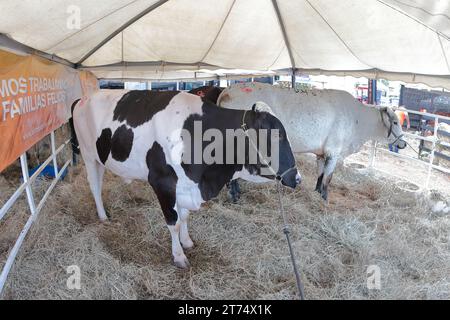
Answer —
401 144
290 178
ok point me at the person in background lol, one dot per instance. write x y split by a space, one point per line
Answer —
402 115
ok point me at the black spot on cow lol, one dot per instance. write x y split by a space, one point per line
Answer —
104 145
121 143
138 107
163 179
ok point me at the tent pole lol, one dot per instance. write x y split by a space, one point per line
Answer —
433 150
283 31
15 46
293 78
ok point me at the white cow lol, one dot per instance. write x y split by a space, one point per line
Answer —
329 123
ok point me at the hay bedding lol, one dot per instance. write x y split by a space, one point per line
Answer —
240 250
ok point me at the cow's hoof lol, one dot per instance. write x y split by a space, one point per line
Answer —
234 198
181 262
188 245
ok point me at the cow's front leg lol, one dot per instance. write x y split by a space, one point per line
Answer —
174 224
235 190
185 239
179 258
320 169
164 188
330 165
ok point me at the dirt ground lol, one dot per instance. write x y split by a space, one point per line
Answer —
240 252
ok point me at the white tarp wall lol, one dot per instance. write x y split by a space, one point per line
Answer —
406 40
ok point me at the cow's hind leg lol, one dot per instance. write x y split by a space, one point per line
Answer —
330 165
235 190
95 172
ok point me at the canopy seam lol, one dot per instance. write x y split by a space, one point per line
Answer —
122 28
415 19
422 9
443 53
338 36
89 25
278 57
218 32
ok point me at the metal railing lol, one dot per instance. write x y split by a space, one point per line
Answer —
27 186
432 139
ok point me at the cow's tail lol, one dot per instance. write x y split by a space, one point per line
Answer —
73 139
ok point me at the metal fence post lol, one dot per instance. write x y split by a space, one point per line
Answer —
26 177
27 186
55 160
430 166
373 154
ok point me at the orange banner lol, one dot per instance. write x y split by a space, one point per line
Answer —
89 83
35 99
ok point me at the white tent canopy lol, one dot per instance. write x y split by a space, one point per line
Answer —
406 40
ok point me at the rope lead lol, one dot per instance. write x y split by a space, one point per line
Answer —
287 232
278 178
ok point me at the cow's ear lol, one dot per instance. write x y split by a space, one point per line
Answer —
390 112
254 107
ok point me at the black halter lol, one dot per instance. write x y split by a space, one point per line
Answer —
391 125
278 179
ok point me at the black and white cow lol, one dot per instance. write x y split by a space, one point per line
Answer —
138 135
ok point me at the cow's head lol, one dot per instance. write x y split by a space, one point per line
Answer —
208 93
283 166
394 132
